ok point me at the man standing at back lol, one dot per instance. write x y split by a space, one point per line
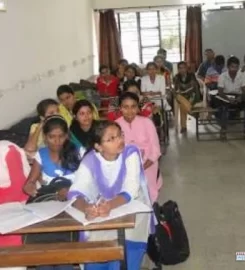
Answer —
202 70
167 64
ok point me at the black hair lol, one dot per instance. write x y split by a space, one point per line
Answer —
181 63
131 67
130 83
158 56
103 67
82 103
121 61
100 129
43 105
233 60
209 50
128 95
64 89
151 64
161 51
219 60
69 154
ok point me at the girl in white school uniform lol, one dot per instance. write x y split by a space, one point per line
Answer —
114 173
154 84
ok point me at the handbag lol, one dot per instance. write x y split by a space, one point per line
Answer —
50 193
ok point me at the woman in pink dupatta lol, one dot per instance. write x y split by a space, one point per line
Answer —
140 130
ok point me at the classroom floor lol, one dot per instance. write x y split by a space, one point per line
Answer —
207 179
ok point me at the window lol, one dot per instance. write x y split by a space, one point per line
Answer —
2 5
143 33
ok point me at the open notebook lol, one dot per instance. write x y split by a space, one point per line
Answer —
132 207
15 216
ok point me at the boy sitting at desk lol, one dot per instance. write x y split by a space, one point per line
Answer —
231 95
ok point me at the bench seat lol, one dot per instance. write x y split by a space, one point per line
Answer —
61 253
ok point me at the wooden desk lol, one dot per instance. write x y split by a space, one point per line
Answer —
69 253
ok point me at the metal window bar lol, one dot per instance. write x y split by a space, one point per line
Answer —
180 36
171 27
139 36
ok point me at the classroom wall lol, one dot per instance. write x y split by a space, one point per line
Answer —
221 30
44 44
104 4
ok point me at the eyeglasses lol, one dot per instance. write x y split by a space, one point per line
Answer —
114 138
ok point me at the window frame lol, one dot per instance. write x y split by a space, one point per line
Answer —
158 28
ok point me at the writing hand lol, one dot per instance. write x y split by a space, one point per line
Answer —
104 208
91 211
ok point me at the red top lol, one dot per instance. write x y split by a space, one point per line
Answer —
146 109
13 193
108 87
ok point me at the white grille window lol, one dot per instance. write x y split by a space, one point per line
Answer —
143 33
127 24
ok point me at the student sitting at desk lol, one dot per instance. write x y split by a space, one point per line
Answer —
231 95
146 106
14 170
186 85
82 127
107 84
130 75
60 157
67 100
214 71
109 176
154 84
141 131
45 108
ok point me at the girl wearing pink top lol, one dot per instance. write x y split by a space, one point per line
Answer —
141 131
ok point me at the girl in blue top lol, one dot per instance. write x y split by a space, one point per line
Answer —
60 157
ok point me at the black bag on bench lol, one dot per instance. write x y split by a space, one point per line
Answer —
50 193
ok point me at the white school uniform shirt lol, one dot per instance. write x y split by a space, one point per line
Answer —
231 86
159 85
85 183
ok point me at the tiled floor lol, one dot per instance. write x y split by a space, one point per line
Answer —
207 179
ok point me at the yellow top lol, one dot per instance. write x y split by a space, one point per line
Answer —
40 142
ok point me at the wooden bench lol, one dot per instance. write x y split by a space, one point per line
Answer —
69 253
209 120
61 253
196 112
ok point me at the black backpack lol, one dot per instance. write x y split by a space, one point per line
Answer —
49 193
169 245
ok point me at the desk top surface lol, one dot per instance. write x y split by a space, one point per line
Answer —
64 222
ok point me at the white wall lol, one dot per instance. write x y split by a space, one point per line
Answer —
37 36
104 4
100 4
221 31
